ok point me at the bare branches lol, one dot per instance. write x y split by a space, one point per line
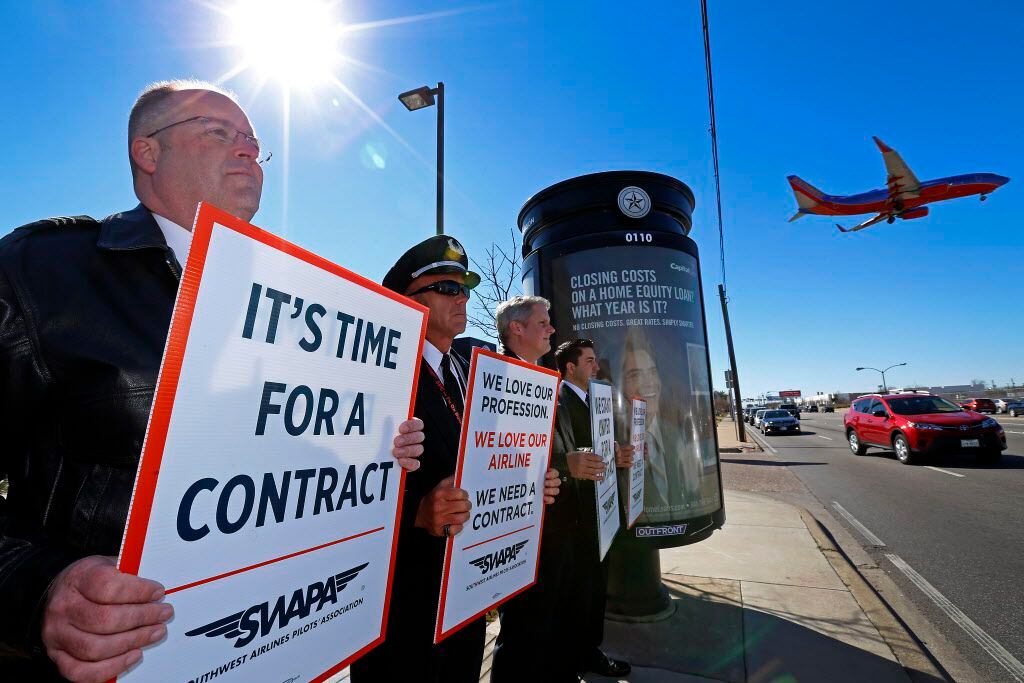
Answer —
500 280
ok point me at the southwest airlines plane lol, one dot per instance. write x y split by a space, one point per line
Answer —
904 198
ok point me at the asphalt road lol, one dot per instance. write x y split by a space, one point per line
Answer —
963 534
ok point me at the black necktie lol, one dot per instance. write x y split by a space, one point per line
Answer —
451 385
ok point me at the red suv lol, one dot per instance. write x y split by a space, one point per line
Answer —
913 425
980 405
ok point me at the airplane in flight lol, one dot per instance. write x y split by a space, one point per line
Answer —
904 197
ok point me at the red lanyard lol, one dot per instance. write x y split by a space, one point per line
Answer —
444 392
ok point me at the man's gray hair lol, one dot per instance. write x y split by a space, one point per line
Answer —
518 308
154 101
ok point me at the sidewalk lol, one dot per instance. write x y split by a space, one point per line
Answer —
767 599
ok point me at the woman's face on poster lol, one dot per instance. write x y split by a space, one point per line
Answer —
640 380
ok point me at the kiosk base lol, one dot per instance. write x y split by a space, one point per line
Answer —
635 591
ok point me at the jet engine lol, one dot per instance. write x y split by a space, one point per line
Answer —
919 212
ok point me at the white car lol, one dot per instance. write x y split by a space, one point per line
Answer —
758 416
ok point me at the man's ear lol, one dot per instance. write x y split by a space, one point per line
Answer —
144 153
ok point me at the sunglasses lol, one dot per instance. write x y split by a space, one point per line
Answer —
445 288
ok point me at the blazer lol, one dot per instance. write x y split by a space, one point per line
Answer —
418 562
576 504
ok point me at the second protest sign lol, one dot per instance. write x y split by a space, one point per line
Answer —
503 456
603 430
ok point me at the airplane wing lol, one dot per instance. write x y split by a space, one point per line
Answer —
901 181
866 224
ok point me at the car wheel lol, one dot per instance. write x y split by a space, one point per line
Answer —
1013 413
855 445
902 448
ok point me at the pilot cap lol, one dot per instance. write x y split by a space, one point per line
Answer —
438 254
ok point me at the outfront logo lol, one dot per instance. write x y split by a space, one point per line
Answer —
261 619
634 202
498 558
666 530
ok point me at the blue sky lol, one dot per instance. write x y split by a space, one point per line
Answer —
541 91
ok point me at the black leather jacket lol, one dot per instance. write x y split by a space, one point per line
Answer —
85 306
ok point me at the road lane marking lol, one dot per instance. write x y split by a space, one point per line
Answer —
864 531
987 642
764 443
823 437
939 469
1009 432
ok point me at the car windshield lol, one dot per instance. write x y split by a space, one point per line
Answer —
921 405
776 413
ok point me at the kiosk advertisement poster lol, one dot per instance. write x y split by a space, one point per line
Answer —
602 426
266 499
503 456
637 434
641 306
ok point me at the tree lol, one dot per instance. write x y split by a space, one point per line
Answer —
500 280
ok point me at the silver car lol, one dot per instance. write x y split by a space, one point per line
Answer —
779 422
758 414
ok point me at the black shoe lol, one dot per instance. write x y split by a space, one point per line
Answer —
606 666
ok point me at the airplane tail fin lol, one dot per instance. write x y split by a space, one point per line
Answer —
807 196
798 214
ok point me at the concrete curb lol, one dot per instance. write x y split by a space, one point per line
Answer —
919 664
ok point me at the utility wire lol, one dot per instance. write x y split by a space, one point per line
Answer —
714 134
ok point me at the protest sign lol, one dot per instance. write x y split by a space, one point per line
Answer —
603 433
637 433
267 499
503 456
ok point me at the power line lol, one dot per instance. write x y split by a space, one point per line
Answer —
714 134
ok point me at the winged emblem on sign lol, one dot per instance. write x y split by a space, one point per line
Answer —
261 618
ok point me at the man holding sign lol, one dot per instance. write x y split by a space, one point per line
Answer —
85 307
435 273
554 631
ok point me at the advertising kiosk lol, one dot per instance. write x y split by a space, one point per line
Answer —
611 252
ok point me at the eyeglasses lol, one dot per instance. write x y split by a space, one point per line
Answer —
445 288
220 131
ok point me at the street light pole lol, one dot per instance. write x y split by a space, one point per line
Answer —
439 91
419 98
885 386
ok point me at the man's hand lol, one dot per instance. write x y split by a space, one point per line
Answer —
584 465
552 482
444 505
624 455
97 620
408 444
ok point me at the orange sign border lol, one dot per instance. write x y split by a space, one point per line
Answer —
170 374
440 635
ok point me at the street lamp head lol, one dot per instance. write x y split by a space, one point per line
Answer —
418 98
860 368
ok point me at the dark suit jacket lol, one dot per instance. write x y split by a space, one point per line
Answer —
420 557
576 505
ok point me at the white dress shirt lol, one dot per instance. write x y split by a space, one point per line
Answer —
579 392
433 356
179 239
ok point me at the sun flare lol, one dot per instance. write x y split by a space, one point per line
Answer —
294 43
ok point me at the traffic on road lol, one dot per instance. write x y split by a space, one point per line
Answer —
948 530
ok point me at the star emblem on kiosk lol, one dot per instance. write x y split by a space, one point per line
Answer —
634 202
